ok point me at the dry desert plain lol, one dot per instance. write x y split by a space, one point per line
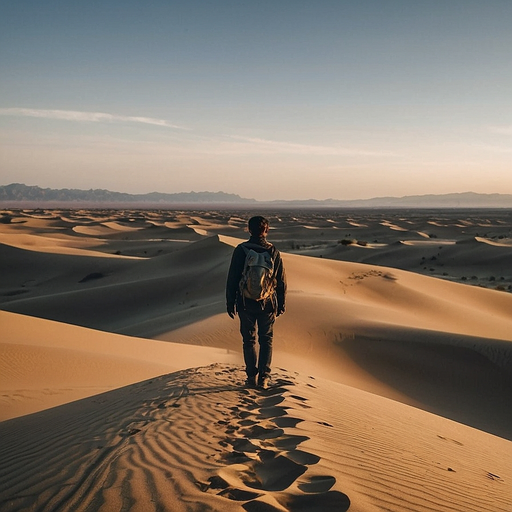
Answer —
122 386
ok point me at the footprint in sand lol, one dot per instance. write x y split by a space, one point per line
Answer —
316 484
324 502
271 412
289 441
276 474
332 501
238 494
243 445
236 457
271 400
259 432
247 423
302 457
286 422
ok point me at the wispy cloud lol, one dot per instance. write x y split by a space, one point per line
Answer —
95 117
501 130
496 149
272 146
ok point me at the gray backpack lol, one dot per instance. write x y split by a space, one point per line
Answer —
258 282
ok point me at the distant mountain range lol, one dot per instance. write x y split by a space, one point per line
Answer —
17 194
456 200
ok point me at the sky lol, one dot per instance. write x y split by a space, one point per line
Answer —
280 99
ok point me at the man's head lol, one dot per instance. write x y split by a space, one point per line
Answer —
258 226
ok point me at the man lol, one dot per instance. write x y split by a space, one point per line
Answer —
256 313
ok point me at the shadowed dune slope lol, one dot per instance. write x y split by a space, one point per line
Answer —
118 294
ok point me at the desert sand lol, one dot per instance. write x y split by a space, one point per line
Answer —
121 377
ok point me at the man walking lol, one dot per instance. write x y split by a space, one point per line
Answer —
256 290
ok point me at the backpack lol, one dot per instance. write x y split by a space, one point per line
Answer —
258 282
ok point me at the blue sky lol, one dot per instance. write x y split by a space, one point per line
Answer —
267 99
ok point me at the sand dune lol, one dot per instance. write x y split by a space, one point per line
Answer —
497 243
46 363
118 294
197 440
379 361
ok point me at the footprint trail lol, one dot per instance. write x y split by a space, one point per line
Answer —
265 468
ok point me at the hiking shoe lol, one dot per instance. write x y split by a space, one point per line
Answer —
264 382
251 382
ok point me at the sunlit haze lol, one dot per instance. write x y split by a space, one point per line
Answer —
268 99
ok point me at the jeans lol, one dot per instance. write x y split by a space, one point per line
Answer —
252 315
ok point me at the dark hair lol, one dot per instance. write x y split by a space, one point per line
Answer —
257 225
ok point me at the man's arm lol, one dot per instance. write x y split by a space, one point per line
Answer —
233 280
280 284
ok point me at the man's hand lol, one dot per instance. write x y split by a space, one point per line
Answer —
231 311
